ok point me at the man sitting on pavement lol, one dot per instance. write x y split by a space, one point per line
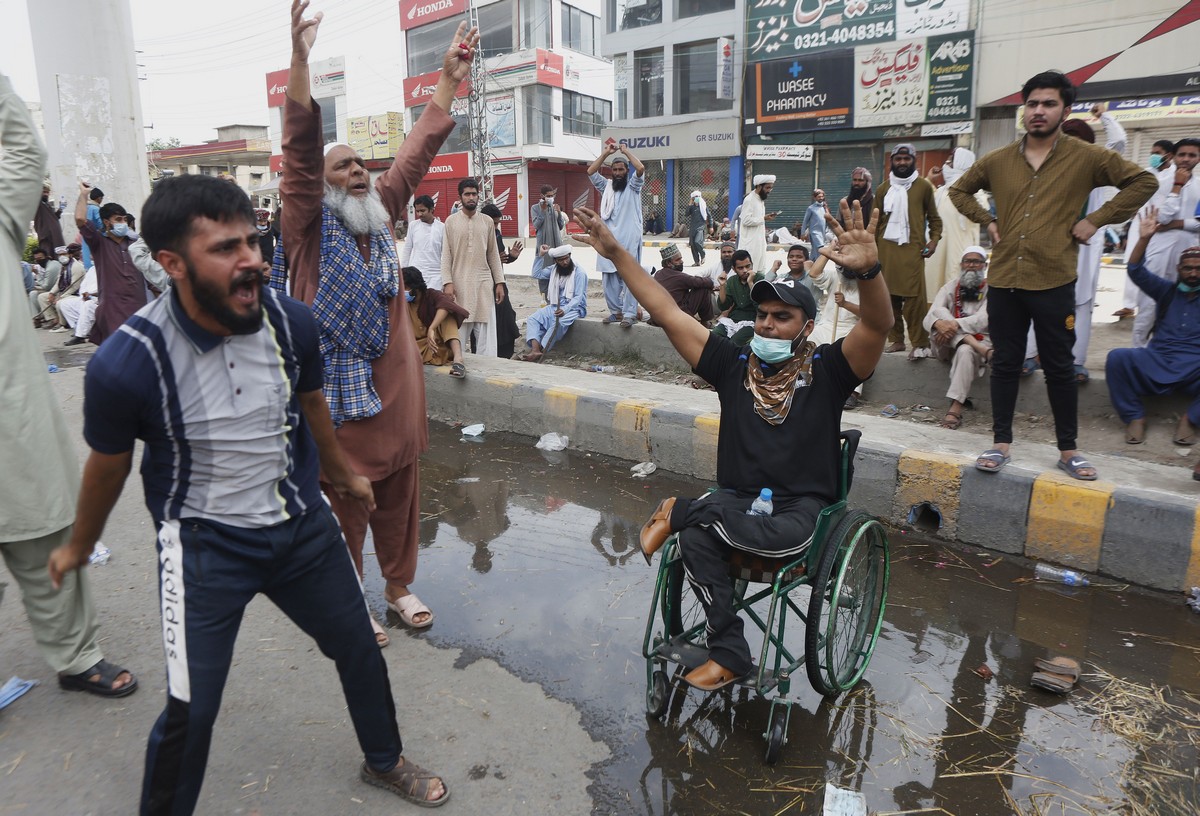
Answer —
1171 360
691 293
567 302
779 428
78 311
958 330
45 277
435 320
733 299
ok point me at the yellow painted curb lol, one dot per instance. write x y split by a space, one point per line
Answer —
500 382
1066 520
929 477
1192 578
704 442
631 428
561 404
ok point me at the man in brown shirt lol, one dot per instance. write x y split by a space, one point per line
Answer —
691 293
342 261
1040 184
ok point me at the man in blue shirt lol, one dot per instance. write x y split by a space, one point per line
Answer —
1171 361
621 209
813 227
221 379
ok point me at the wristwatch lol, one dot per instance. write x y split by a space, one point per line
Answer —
870 273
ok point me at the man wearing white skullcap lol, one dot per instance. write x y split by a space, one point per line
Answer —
957 323
752 235
697 216
621 209
567 302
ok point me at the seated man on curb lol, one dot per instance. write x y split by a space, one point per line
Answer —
691 293
1171 361
779 428
435 320
958 330
566 296
733 299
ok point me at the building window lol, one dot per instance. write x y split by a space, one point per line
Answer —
539 102
459 139
585 115
427 45
535 23
648 80
495 29
694 8
696 78
580 30
329 118
622 104
624 14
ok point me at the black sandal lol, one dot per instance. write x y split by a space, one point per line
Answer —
102 686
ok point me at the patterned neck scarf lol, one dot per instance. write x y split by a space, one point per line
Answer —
958 302
773 393
351 308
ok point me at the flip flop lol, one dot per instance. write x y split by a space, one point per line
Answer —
408 607
1135 432
994 455
381 635
1185 434
106 674
458 370
1057 674
1076 464
1029 366
1081 375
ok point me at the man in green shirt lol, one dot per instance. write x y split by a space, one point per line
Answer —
1040 184
733 299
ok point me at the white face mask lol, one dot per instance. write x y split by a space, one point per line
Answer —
549 200
63 258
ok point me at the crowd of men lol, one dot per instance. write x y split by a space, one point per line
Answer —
288 354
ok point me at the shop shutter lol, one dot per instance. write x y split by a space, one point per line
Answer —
792 193
711 178
835 166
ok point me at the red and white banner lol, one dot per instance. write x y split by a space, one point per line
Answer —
450 165
415 13
277 88
504 195
549 68
418 89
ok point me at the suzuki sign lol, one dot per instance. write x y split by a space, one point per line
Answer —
705 138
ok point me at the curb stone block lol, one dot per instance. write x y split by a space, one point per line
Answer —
671 442
875 479
1148 538
1066 520
985 509
935 478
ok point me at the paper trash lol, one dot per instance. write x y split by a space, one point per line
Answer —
843 802
552 442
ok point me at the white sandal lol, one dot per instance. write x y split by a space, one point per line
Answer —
408 607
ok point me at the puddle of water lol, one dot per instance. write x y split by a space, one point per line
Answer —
530 558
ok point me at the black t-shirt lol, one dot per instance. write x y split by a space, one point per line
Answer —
798 457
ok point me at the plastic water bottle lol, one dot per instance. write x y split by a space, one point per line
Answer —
604 369
762 506
1058 575
100 554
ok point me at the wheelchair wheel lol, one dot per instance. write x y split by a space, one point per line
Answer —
776 734
657 694
681 609
845 612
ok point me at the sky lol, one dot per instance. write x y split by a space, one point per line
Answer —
204 61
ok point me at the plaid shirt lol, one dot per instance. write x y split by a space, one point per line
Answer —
352 311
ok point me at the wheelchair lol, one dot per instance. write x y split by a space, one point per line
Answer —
847 567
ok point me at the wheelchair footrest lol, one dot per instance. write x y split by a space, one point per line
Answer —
691 656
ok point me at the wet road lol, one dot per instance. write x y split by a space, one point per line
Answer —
530 559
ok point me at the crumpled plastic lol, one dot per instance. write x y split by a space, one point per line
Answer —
13 689
552 442
643 469
1194 599
473 430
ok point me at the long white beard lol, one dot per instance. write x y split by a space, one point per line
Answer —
360 215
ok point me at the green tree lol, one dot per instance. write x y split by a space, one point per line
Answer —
163 144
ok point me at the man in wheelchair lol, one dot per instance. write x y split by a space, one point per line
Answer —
781 406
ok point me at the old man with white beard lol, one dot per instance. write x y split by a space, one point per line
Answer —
752 236
342 260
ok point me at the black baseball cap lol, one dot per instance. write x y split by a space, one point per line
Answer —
789 291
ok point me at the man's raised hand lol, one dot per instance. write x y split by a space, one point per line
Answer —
457 63
855 248
598 236
1148 222
304 32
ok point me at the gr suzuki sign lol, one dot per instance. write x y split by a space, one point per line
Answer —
705 138
415 13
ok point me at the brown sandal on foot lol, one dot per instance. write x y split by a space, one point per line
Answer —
952 421
407 780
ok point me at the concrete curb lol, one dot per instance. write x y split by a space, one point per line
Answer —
1140 526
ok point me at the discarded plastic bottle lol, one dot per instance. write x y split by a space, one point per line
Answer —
604 369
99 555
1046 572
762 506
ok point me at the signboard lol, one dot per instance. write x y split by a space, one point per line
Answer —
277 88
1141 110
951 65
504 196
724 68
379 136
326 78
891 86
947 129
704 138
395 132
549 68
415 13
275 163
814 94
786 28
450 165
358 135
418 89
501 120
780 152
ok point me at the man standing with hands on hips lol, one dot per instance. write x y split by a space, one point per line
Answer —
1040 184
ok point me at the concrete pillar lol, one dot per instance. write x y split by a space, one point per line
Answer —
87 79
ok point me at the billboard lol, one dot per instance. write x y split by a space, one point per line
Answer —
418 89
415 13
358 135
325 79
816 94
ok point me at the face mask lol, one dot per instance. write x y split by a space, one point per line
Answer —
1156 160
771 349
120 230
63 258
408 297
1186 289
262 227
549 201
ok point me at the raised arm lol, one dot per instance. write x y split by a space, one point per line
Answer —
634 160
608 150
304 34
686 334
856 252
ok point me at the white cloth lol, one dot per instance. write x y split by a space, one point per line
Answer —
959 162
699 199
1114 134
608 202
752 235
423 249
895 203
763 178
835 322
559 251
558 284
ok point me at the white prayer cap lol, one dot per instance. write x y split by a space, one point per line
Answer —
332 145
60 250
696 194
978 250
763 179
560 251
